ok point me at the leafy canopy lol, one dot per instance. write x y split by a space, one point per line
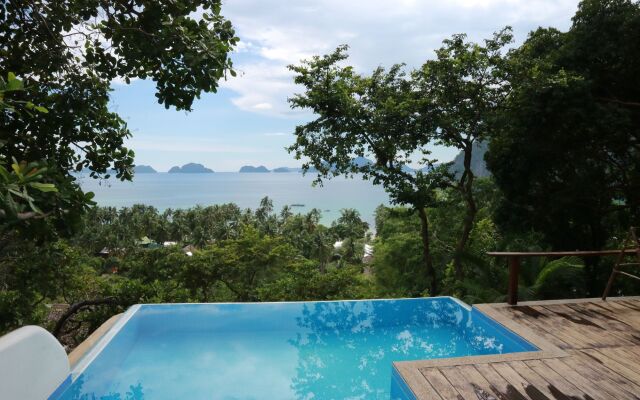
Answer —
566 150
69 52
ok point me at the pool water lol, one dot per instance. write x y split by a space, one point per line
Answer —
307 350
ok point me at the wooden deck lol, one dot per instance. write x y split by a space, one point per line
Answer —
590 349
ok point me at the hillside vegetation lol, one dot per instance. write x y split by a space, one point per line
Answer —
558 118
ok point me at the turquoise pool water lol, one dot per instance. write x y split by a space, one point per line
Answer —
307 350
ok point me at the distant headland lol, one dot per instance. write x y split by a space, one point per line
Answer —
190 168
456 166
251 168
144 169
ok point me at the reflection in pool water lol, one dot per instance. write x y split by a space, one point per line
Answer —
309 350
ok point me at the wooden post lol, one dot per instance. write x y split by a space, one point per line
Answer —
514 269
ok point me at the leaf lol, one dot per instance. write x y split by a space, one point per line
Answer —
16 168
13 83
44 187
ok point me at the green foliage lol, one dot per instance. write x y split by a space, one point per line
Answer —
562 278
17 190
67 53
565 150
398 265
27 194
303 281
235 256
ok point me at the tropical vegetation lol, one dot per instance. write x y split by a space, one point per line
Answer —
560 115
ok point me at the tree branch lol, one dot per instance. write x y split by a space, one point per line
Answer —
77 307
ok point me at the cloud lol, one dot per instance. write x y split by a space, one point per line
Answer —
381 32
263 106
262 87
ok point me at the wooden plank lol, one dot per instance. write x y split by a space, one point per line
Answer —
517 381
613 365
603 377
630 304
621 312
440 383
580 381
635 350
602 374
633 300
617 326
467 385
596 330
622 355
499 385
559 386
538 326
588 336
564 330
532 316
480 381
605 307
535 379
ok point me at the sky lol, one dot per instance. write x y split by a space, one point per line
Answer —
249 122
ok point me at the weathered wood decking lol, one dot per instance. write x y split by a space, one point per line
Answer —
590 350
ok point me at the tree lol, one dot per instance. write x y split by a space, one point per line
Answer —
375 116
68 53
350 229
350 225
566 153
465 86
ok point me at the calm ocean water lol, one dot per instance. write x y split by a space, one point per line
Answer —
163 190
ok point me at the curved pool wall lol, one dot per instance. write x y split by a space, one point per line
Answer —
29 352
299 350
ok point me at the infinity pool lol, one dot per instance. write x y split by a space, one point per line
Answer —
279 351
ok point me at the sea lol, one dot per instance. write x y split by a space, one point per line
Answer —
164 190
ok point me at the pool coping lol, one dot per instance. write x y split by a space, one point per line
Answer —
83 348
98 340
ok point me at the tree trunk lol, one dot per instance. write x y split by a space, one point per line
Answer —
426 253
466 188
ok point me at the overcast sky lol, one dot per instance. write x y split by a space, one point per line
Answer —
249 122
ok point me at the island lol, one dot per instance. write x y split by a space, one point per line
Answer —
251 168
283 169
190 168
144 169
